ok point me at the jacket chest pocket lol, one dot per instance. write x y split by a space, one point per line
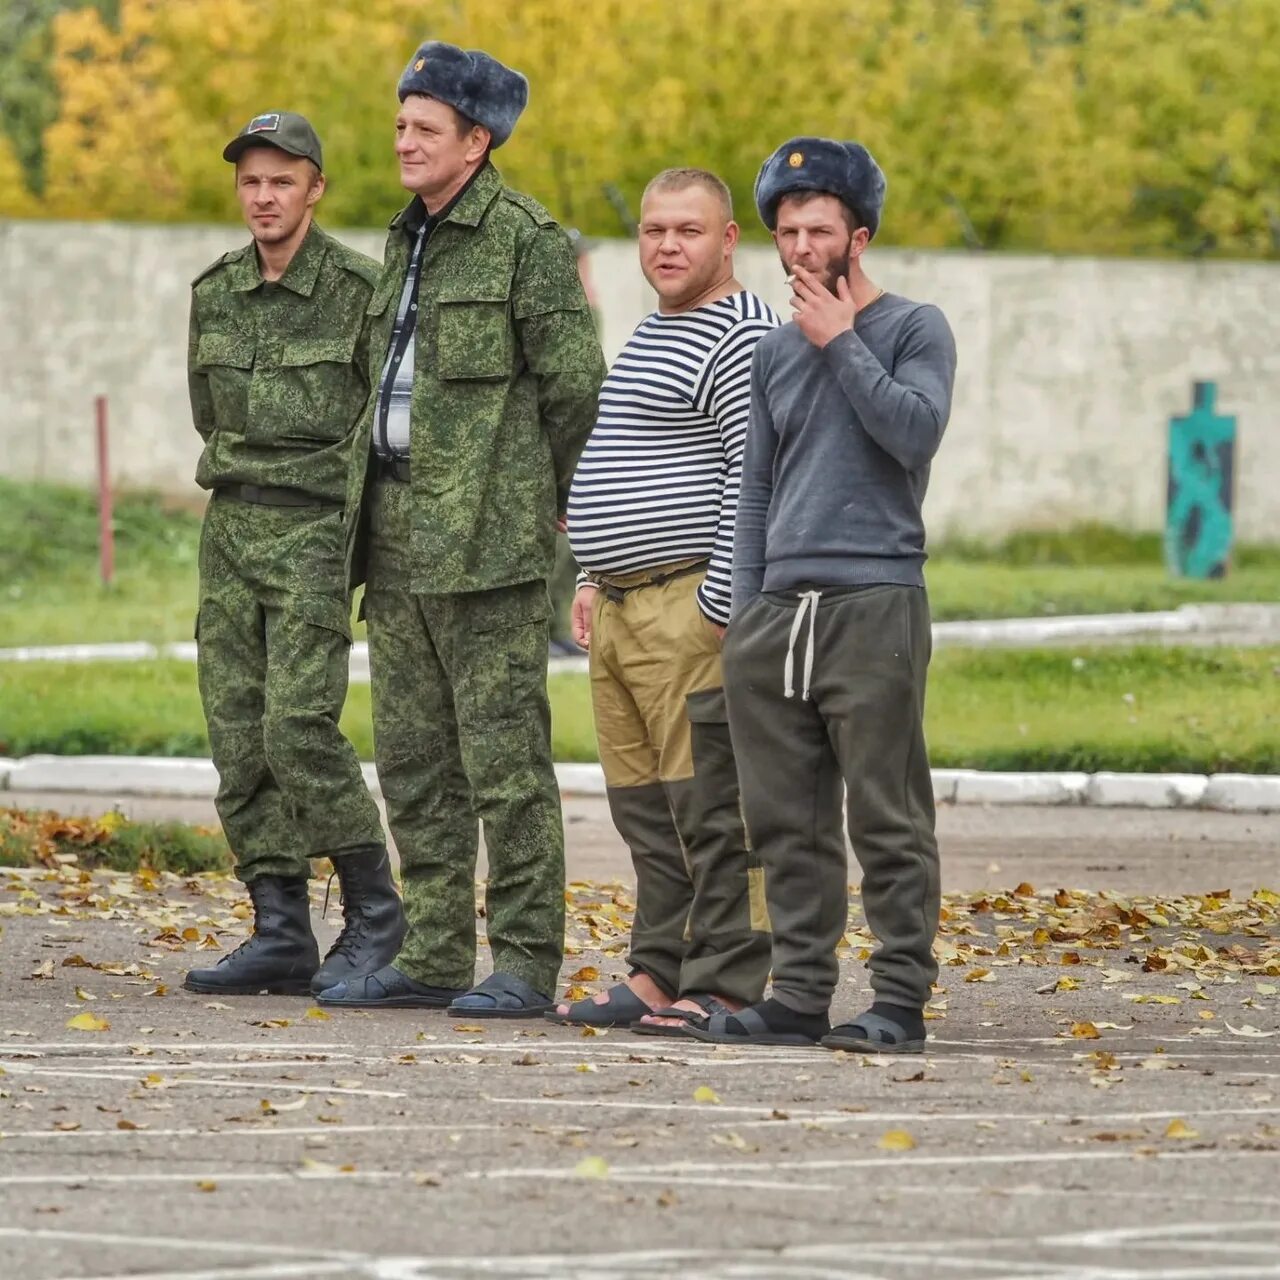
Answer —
378 321
474 339
227 360
310 391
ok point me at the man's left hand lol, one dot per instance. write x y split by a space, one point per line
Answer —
821 314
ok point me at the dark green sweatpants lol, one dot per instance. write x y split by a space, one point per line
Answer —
826 695
461 737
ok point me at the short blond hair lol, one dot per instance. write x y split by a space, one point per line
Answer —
680 179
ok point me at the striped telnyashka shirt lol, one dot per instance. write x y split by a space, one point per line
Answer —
658 480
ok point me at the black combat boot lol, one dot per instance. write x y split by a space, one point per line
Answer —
280 956
373 918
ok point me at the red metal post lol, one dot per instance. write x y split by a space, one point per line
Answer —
106 536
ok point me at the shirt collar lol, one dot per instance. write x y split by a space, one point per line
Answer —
467 207
299 276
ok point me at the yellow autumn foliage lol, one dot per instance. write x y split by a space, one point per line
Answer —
1123 126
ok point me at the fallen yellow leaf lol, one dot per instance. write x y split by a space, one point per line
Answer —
1085 1031
704 1093
317 1015
592 1167
897 1140
588 973
1180 1129
87 1022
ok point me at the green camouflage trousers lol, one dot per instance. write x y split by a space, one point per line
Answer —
274 638
462 736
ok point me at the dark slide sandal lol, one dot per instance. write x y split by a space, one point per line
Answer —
623 1008
747 1027
688 1017
501 995
870 1033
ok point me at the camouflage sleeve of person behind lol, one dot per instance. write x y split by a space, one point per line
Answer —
198 383
558 337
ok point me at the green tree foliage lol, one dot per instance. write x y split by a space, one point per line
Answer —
1101 126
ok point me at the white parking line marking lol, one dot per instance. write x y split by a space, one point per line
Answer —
257 1085
673 1169
875 1117
259 1130
254 1271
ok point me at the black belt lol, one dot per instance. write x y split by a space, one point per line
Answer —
391 468
265 495
615 594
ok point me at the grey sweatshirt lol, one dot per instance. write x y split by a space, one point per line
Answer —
838 450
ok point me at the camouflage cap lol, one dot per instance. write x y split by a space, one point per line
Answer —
285 130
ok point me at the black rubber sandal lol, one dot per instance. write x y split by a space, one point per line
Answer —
623 1008
501 995
689 1018
871 1033
749 1028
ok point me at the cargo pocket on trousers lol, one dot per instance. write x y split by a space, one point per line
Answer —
507 667
316 666
711 746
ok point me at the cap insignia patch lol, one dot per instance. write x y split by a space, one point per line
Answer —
421 62
795 159
264 124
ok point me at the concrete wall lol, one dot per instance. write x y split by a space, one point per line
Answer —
1069 368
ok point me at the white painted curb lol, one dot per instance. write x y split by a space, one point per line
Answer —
1243 793
195 779
114 775
1147 790
1021 788
1238 623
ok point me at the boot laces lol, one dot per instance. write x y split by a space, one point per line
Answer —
354 923
251 942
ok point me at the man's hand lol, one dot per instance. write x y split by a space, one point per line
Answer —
821 314
717 628
580 616
562 524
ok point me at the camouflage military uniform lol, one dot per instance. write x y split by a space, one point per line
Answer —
278 377
507 371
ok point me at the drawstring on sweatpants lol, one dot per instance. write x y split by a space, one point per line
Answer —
808 605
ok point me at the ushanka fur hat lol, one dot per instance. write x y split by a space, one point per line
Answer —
469 81
845 170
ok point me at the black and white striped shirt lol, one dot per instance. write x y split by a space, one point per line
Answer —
658 480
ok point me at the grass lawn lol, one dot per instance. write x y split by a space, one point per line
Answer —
1142 708
50 594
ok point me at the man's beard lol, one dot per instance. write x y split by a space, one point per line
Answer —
832 271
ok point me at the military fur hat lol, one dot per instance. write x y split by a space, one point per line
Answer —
469 81
845 170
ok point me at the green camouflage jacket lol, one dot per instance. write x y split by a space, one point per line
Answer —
278 372
507 371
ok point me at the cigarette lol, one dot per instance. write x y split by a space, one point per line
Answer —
791 279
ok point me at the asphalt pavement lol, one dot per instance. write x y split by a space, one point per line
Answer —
1099 1099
